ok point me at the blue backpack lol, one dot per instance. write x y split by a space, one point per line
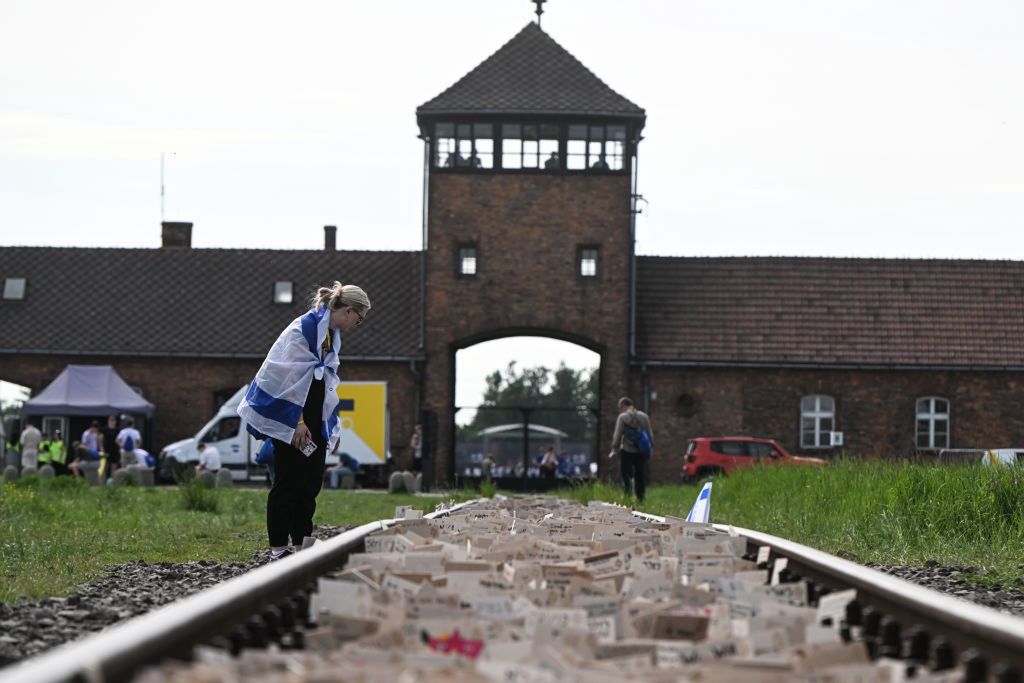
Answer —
641 439
129 443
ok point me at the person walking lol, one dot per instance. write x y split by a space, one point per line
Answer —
632 460
293 400
30 439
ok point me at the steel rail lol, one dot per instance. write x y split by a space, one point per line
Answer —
116 653
968 629
995 636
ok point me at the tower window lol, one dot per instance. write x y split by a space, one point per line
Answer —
467 261
598 148
282 292
588 261
464 145
529 146
14 288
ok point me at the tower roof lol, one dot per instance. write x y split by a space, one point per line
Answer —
531 74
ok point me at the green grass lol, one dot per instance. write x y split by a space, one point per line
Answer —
874 511
57 534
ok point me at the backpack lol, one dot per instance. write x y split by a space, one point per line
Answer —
129 443
640 438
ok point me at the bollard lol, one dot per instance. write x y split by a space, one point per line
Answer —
122 477
410 481
348 481
47 472
207 478
29 471
419 483
10 474
223 478
92 477
147 477
396 484
135 472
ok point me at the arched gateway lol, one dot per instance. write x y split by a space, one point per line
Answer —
529 168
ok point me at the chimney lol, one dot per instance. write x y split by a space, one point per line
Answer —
330 237
176 234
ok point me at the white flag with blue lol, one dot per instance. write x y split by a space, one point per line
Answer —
701 509
273 403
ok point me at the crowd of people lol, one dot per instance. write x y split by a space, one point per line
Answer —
103 449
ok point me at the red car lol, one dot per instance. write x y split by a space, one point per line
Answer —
708 456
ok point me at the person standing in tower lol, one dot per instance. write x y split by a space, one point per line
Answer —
293 400
633 442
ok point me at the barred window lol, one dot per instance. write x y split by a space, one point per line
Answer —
464 145
529 146
467 260
599 148
932 422
588 261
817 420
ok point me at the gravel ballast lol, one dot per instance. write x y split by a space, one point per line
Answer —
125 591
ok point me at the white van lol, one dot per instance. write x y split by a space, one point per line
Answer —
364 435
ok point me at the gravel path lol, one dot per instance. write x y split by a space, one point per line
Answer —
125 591
128 590
1007 599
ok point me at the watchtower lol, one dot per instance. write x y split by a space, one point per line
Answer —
529 169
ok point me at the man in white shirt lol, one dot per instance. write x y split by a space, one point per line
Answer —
209 459
129 439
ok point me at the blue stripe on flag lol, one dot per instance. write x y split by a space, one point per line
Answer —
276 409
309 325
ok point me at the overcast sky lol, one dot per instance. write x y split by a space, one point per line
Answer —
839 128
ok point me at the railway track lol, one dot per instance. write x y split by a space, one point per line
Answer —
894 618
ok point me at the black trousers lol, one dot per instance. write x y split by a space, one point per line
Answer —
291 502
634 473
298 479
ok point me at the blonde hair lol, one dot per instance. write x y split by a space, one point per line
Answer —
339 296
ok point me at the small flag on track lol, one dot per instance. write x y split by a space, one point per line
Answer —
701 507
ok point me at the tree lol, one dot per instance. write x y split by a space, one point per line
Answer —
563 399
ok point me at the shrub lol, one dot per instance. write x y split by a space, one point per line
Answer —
196 495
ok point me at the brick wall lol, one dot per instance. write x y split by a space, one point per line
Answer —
527 229
875 410
182 389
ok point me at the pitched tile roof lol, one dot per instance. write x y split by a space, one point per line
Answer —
204 302
531 74
831 311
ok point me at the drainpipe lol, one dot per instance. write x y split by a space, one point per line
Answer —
647 389
634 197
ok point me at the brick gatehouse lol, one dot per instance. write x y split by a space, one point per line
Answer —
530 186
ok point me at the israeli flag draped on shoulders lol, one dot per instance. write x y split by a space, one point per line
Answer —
273 404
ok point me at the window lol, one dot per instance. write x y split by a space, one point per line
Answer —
730 447
932 422
14 288
588 261
464 145
282 292
761 450
467 260
817 420
227 428
529 146
600 148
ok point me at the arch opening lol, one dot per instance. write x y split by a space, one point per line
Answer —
526 411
